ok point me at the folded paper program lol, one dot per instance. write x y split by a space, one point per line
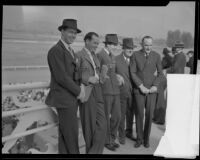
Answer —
88 90
181 138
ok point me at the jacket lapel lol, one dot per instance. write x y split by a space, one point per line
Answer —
122 59
142 59
65 50
86 56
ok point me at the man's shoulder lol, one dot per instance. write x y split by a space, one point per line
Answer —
55 48
118 57
79 53
155 53
137 52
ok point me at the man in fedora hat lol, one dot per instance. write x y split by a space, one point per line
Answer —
92 112
126 96
65 89
111 90
143 64
179 61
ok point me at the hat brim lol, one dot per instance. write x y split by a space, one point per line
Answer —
178 46
123 47
61 27
111 43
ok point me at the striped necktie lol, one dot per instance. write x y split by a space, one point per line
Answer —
71 51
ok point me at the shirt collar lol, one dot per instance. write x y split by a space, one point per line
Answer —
65 44
126 58
106 51
88 52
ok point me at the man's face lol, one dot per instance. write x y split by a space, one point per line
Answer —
128 52
147 45
178 50
69 35
111 48
92 44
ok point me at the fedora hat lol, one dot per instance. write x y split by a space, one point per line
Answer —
178 44
127 43
111 38
69 23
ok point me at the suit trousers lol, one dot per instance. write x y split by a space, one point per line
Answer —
126 113
161 104
130 113
93 122
113 116
148 103
68 130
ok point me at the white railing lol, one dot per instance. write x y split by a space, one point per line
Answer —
23 67
28 115
31 114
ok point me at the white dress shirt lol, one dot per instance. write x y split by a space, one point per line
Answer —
127 59
67 46
93 64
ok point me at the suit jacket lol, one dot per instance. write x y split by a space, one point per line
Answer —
87 70
122 68
110 86
64 85
178 65
142 70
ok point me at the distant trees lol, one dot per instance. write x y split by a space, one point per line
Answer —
185 37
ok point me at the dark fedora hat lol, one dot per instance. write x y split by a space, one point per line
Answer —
111 39
69 23
178 44
127 43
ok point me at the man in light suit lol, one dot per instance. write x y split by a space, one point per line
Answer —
111 92
126 90
143 65
92 110
65 88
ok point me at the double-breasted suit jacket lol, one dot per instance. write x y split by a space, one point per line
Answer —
143 69
64 84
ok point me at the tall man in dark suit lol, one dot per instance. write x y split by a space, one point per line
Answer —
92 112
126 95
111 90
64 87
143 65
179 61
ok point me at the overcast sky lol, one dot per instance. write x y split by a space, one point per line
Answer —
125 21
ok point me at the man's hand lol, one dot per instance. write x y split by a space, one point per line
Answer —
82 93
144 89
120 79
93 80
153 89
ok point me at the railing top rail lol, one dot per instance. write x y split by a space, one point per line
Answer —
22 67
34 85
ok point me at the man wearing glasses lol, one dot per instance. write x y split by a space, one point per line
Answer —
126 98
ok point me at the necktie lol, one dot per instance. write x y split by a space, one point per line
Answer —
71 51
146 55
127 61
